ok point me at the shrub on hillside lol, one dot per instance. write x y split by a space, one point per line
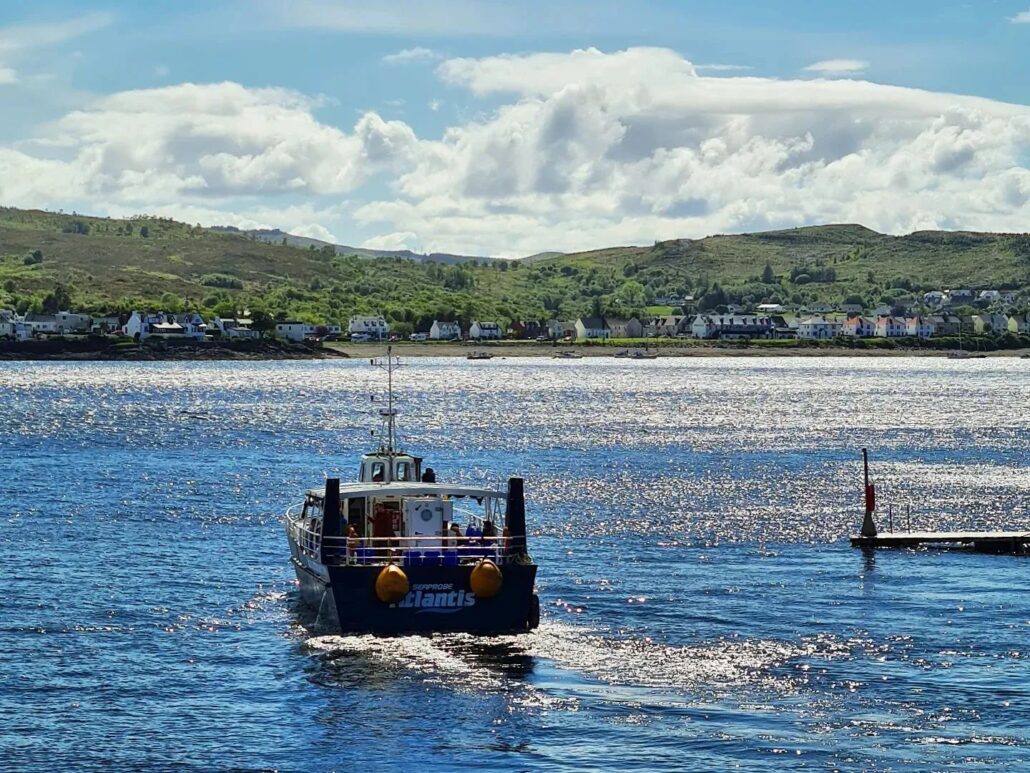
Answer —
221 280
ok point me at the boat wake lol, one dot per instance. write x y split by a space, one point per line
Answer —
633 665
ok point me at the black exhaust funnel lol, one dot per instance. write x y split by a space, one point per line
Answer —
332 523
515 517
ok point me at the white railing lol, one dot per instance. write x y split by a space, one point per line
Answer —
445 550
414 551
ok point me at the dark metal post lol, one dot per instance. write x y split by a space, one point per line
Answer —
332 523
868 525
515 516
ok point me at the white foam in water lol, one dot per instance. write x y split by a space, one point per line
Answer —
467 662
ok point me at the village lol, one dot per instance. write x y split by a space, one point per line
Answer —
815 322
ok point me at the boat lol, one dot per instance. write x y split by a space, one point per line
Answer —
479 356
637 354
568 356
396 552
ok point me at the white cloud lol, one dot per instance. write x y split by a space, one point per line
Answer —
401 240
434 104
722 67
586 149
408 55
1023 17
313 231
21 37
203 142
633 146
838 66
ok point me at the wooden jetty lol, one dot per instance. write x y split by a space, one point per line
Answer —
998 542
979 541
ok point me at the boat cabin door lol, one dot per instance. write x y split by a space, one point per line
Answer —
425 517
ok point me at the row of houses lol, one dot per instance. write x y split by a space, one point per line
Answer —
138 325
821 328
756 326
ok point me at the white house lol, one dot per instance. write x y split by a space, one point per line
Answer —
934 299
67 322
703 326
485 330
770 308
859 327
15 328
41 323
852 308
818 329
193 325
890 327
919 327
592 328
292 330
445 331
239 328
374 327
144 325
991 296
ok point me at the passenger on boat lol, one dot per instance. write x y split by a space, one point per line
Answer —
489 532
429 476
353 542
455 534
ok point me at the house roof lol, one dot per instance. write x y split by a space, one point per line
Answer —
594 323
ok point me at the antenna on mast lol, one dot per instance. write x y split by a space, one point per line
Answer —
389 414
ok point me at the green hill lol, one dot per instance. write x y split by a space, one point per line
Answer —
106 264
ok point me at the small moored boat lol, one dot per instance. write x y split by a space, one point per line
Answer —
568 356
397 552
479 356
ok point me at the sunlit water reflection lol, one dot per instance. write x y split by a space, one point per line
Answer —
701 607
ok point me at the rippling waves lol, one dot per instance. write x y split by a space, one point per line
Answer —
701 609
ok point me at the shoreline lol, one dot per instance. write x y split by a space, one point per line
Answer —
274 350
533 349
87 351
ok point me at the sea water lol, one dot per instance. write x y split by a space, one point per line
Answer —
701 607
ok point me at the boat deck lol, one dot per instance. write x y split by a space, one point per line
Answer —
1016 542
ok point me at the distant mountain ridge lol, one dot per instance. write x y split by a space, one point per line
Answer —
276 236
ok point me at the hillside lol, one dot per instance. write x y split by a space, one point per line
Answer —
277 236
105 263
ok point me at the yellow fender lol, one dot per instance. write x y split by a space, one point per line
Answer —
392 584
486 579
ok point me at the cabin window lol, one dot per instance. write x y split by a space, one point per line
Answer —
378 472
403 471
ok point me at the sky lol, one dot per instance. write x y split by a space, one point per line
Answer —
510 128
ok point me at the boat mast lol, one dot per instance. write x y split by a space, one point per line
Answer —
390 414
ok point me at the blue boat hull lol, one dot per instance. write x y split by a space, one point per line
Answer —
439 600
